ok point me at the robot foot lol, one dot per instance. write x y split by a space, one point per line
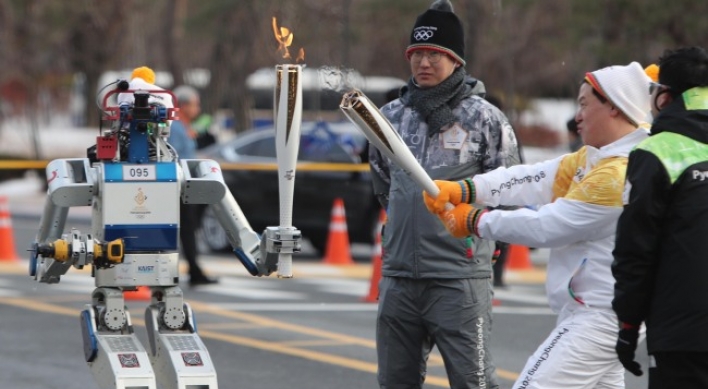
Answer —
178 354
117 360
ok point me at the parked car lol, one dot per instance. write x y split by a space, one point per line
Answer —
256 190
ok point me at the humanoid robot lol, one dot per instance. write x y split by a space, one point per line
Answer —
133 183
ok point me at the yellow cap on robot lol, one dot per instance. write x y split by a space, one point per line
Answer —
145 73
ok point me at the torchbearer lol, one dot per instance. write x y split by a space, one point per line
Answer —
134 182
435 288
580 197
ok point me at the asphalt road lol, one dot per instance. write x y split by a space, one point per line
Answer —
312 331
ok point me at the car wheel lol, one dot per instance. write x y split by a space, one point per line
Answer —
212 236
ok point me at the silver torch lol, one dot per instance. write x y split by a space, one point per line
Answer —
287 114
287 106
379 131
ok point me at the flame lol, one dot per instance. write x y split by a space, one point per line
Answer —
285 39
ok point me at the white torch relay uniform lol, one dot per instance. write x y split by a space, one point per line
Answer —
580 199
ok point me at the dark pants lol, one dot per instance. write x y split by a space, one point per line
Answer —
679 370
498 267
453 314
188 236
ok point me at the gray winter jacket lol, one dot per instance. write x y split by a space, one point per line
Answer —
415 243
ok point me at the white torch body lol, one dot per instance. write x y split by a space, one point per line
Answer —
288 117
379 131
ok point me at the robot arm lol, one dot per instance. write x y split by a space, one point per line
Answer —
71 183
204 184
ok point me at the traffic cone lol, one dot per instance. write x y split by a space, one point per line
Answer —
7 240
518 257
338 251
376 262
143 293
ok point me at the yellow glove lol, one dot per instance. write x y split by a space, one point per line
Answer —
462 220
454 192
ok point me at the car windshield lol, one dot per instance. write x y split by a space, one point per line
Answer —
264 147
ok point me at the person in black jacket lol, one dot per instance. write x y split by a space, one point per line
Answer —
661 251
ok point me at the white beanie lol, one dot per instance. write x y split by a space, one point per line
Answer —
626 87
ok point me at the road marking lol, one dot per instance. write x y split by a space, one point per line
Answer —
9 293
522 310
277 347
350 287
318 333
353 307
510 295
298 307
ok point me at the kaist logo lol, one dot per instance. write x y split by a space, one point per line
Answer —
146 269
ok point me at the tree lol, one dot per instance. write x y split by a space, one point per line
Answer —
95 42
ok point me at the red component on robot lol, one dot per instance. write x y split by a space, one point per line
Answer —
106 147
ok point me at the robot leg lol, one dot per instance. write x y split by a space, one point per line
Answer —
113 352
179 357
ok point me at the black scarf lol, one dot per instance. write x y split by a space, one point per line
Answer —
435 104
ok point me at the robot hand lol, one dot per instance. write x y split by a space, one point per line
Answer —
263 258
50 260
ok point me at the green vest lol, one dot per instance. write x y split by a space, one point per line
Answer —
676 152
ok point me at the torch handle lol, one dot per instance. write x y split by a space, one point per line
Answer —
285 265
288 116
379 131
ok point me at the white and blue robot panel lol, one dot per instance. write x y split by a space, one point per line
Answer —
141 205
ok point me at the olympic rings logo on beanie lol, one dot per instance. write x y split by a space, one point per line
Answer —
439 29
423 33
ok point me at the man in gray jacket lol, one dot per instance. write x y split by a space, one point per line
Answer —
436 289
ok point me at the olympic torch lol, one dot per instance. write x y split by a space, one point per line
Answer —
287 112
378 130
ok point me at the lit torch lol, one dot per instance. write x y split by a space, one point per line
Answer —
287 112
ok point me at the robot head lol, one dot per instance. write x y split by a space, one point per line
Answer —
156 99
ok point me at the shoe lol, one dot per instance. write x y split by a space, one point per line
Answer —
203 280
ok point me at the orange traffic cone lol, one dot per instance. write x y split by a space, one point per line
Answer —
7 240
376 262
338 250
518 257
143 293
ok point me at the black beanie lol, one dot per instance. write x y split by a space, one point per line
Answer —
439 29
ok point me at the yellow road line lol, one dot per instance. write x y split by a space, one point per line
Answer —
277 347
266 322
